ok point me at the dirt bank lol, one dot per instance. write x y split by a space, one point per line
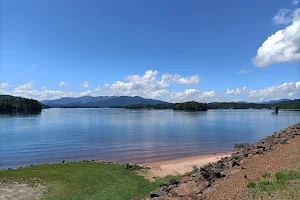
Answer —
227 178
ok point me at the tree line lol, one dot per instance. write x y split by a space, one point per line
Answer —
191 106
17 104
293 104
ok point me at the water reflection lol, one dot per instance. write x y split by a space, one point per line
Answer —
19 114
130 135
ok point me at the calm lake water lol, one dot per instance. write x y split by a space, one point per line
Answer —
130 135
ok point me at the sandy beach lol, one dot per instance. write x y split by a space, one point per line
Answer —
179 166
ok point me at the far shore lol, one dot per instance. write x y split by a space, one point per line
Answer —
179 166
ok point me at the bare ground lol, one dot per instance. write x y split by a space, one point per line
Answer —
18 191
285 156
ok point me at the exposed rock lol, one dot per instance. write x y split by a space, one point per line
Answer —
168 198
202 185
158 194
198 185
197 177
187 189
185 179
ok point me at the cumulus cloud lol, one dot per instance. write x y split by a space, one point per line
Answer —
284 16
243 71
4 85
48 94
148 85
63 84
98 89
283 46
26 86
193 95
85 84
168 78
135 85
235 91
27 90
285 90
295 2
86 93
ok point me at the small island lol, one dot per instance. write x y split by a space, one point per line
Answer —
188 106
11 104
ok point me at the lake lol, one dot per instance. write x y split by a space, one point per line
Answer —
130 135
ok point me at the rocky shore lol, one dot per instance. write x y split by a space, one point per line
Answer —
199 184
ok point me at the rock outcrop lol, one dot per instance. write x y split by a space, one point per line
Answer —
198 184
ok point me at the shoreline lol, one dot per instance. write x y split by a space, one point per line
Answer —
229 177
179 166
217 176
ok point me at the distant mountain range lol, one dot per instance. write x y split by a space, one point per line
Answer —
122 101
100 102
276 101
266 102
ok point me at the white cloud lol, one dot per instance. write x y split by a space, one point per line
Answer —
4 85
168 78
86 93
98 89
285 90
243 71
284 16
27 91
27 86
295 2
235 91
85 84
188 80
283 46
193 95
48 94
63 84
148 85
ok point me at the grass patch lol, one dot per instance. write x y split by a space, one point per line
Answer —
267 185
241 145
283 183
251 184
288 175
86 180
266 175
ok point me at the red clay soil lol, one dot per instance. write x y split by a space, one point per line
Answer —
284 156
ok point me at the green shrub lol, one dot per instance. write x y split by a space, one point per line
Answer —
287 175
251 184
266 175
266 185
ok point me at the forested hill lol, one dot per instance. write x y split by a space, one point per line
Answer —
100 102
17 104
190 106
289 104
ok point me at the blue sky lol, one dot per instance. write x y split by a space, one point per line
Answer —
170 50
